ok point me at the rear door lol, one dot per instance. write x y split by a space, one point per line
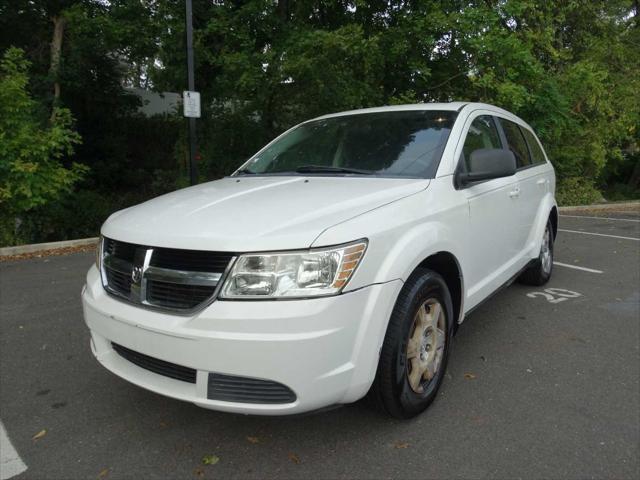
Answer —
491 243
540 166
532 180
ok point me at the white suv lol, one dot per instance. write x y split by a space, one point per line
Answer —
337 261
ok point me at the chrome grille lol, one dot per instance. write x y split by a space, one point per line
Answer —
164 278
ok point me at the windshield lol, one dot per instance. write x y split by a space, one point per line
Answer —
394 144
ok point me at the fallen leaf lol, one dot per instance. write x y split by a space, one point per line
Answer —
210 460
39 435
478 420
58 251
198 472
103 473
469 376
253 439
294 458
401 445
163 425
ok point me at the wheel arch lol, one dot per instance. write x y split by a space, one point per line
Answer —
447 265
553 216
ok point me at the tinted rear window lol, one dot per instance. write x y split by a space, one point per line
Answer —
537 155
516 143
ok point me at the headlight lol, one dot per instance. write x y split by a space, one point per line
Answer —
311 273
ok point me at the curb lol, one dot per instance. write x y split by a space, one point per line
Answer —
601 206
40 247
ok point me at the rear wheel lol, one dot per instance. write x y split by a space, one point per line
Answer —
416 346
540 270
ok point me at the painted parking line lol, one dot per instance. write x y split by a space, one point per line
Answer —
599 234
584 269
602 218
10 462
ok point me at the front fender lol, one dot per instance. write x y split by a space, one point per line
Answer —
402 235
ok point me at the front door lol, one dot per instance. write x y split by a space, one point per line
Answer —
492 242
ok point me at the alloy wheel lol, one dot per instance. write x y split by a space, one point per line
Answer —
425 347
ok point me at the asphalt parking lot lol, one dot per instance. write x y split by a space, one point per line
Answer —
542 383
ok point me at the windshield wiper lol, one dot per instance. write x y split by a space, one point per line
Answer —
331 169
245 171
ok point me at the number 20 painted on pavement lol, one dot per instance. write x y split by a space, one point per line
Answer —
555 295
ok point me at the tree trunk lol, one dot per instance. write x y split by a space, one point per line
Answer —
59 22
283 10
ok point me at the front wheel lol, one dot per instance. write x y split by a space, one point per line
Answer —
539 272
416 347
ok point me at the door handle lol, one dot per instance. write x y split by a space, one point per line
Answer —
514 193
543 184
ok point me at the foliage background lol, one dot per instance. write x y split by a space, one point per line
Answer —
569 68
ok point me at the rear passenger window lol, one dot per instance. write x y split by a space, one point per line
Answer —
516 143
482 134
537 155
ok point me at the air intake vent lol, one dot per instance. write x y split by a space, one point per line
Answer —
156 365
230 388
174 296
190 260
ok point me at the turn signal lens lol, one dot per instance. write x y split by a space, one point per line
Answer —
350 259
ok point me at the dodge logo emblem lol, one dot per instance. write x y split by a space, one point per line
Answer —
136 274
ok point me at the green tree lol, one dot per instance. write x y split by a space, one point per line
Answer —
31 149
570 69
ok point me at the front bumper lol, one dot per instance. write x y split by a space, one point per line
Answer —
325 350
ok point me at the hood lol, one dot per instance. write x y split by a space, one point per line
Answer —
243 214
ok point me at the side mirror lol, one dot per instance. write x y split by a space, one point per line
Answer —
488 163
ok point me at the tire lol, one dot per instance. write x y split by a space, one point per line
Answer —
539 272
399 388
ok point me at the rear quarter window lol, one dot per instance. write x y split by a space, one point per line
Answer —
537 155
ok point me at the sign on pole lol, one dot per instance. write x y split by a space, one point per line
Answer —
191 104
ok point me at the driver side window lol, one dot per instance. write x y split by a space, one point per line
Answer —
482 134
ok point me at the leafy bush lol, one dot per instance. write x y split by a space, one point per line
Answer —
621 191
31 151
76 215
80 214
577 191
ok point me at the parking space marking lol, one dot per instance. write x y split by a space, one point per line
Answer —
555 295
602 218
585 269
10 462
599 234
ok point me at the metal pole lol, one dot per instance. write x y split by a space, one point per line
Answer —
193 168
